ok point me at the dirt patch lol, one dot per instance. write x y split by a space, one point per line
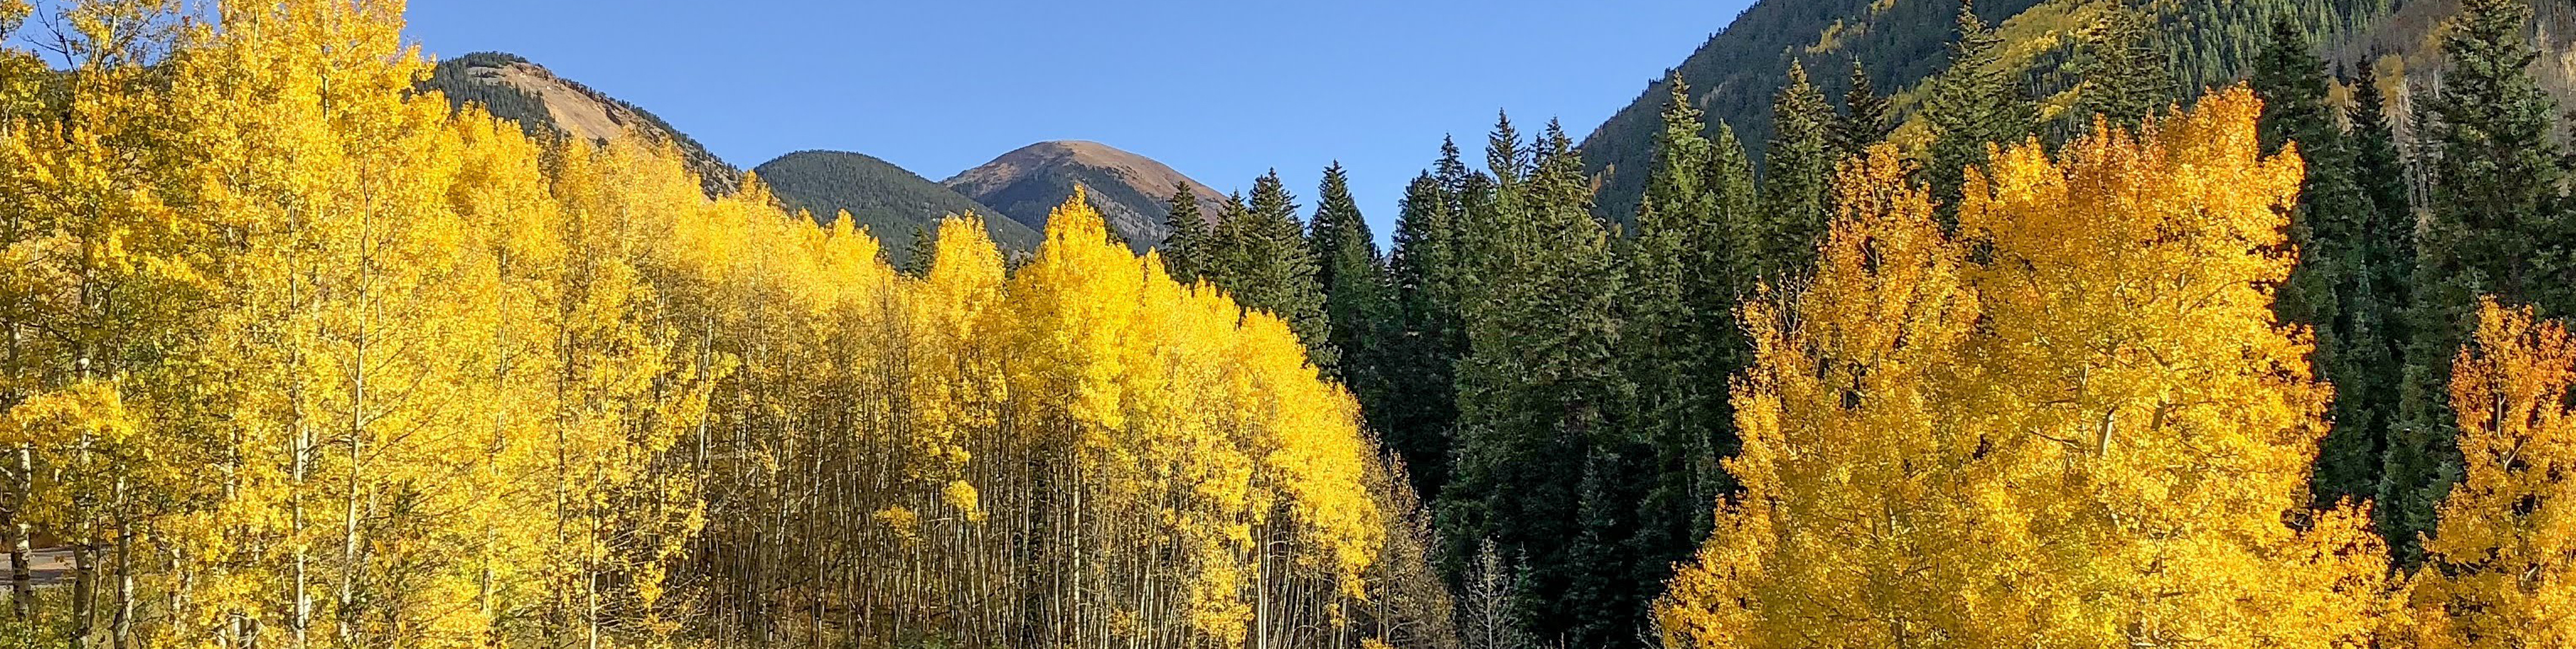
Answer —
573 111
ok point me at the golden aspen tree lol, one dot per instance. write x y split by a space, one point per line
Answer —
1849 527
97 289
2130 347
371 306
2111 446
21 80
301 358
2497 568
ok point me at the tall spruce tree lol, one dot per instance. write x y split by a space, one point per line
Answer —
1356 302
1974 102
1866 115
1797 176
1739 199
2125 75
1428 268
2336 288
1538 388
2494 230
919 252
1422 399
1184 249
1269 266
1677 347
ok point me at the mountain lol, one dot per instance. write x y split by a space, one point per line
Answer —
881 196
1903 43
1129 189
515 89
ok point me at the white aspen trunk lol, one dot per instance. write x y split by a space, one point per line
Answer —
121 623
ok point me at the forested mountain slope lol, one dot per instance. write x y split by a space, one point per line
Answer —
1902 43
888 200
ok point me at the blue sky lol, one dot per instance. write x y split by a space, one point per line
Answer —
1221 91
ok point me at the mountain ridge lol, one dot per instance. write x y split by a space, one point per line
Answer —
881 196
1903 44
513 88
1130 190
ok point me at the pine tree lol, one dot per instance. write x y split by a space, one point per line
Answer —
1422 397
1268 266
1356 300
2335 289
1220 260
1739 201
2125 76
1538 388
1796 178
918 252
1185 249
1975 102
2493 231
1678 344
1865 118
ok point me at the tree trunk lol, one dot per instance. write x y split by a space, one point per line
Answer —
121 626
22 577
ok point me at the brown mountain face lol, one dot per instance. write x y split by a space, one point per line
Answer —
515 89
1130 190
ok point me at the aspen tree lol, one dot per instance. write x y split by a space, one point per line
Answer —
2496 570
2115 451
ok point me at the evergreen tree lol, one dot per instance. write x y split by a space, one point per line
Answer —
1185 248
1796 178
1423 352
2493 230
1975 102
1220 259
2125 76
918 254
1538 387
1739 200
2336 287
1356 302
1268 266
1866 116
2381 169
1678 346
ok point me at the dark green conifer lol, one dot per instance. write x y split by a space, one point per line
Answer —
1274 269
2332 289
1973 103
1866 115
1183 248
1796 178
1539 387
2494 229
1356 302
1423 354
2126 77
919 253
1677 343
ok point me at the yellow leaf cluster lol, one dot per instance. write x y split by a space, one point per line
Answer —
303 357
2074 423
2498 568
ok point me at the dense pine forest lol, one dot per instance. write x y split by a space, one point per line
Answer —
2216 335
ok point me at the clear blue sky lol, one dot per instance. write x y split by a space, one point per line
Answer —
1221 91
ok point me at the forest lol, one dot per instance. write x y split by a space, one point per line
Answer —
298 355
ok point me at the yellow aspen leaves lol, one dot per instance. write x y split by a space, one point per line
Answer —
2497 571
298 356
2077 424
